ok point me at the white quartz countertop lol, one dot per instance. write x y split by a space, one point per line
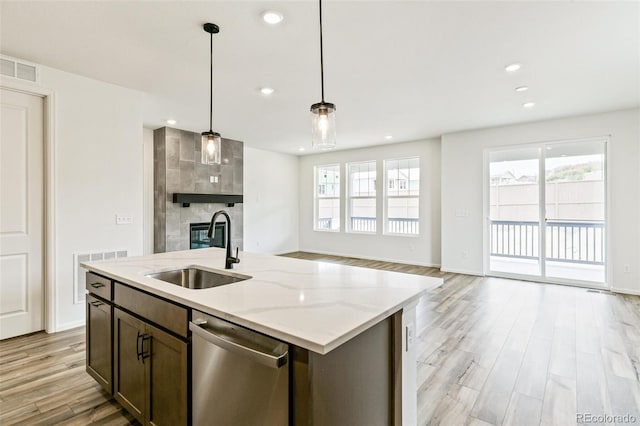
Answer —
314 305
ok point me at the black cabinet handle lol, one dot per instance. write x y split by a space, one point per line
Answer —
144 355
96 303
138 352
96 285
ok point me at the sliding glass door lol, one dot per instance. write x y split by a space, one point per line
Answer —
553 231
575 211
514 212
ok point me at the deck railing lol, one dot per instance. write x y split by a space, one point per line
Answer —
363 224
396 225
324 223
566 241
402 225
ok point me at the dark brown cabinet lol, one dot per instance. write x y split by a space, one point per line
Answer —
99 329
138 350
99 338
150 371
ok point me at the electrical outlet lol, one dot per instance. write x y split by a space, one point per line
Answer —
465 254
411 334
626 268
214 179
124 220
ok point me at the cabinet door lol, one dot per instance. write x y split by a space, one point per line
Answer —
129 370
99 355
168 375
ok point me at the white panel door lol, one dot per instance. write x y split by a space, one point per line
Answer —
21 213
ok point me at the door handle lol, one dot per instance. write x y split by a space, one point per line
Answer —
268 359
96 303
96 285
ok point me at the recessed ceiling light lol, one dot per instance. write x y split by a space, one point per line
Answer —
301 149
171 121
512 67
272 17
529 104
266 91
388 137
522 88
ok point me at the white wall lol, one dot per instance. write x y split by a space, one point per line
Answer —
462 187
98 174
270 202
419 250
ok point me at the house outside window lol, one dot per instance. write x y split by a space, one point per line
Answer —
402 196
361 204
327 198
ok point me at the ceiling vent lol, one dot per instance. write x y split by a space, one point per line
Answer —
19 69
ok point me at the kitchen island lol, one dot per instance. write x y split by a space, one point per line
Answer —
349 330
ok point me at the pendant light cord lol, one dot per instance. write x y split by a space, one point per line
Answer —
211 85
321 56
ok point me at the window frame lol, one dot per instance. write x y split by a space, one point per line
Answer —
386 196
349 197
317 197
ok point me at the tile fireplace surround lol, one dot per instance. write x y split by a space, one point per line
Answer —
177 168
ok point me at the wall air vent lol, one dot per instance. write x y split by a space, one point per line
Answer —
19 69
79 277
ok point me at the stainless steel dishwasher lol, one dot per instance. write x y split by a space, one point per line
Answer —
240 377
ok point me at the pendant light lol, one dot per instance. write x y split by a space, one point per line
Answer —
323 114
210 146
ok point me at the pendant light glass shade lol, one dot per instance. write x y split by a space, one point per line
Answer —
210 147
323 114
323 126
211 141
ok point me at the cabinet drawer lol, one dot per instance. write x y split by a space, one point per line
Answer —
98 349
100 286
164 313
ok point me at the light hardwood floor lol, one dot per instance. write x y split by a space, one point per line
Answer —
43 381
496 351
490 352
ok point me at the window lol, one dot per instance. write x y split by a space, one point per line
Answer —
362 196
327 198
402 196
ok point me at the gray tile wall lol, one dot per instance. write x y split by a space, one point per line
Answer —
177 168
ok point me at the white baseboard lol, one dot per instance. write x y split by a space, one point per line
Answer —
69 325
381 259
626 291
463 271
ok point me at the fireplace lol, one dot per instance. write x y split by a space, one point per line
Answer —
177 170
198 235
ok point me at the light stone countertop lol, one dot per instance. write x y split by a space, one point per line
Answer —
314 305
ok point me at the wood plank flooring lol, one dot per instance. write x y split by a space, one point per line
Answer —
505 352
43 381
490 352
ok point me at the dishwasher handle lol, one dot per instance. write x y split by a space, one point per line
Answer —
273 361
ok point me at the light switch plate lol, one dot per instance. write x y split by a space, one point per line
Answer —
411 334
124 220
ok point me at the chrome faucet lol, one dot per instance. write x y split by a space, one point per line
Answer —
230 260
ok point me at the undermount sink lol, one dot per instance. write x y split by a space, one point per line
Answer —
196 278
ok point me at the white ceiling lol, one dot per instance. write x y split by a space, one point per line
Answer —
411 69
